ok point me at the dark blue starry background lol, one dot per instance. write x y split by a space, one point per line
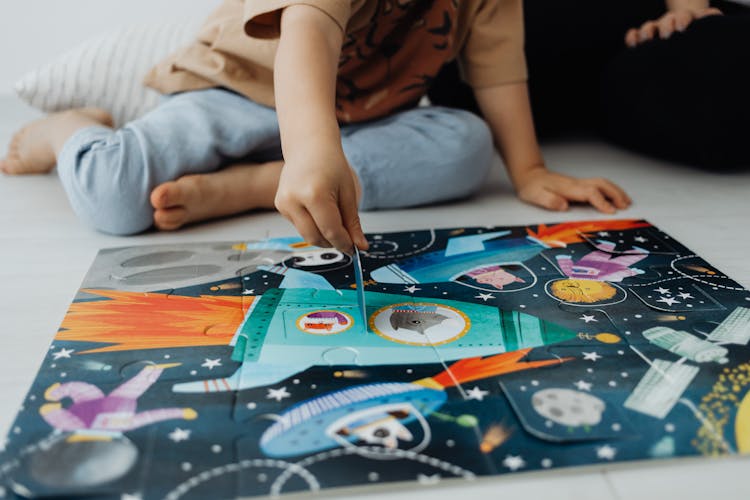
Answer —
570 413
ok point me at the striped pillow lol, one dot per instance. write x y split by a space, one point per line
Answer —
107 71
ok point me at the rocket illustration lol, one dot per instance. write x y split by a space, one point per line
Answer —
461 254
291 330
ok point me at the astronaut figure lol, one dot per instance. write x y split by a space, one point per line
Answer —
600 265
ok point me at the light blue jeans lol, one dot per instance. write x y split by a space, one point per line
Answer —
416 157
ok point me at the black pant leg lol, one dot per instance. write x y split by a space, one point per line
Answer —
686 98
568 44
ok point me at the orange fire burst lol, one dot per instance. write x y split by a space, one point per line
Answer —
561 235
131 320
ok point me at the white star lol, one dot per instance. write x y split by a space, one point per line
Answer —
248 292
211 363
62 353
178 435
640 239
669 301
485 296
476 393
591 356
588 318
278 394
606 452
662 291
426 480
582 386
412 289
685 296
514 462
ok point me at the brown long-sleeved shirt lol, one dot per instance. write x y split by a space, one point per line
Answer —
392 50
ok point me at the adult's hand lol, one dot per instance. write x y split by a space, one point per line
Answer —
675 20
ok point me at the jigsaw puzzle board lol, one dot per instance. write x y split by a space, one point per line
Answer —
247 369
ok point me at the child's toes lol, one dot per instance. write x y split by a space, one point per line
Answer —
166 195
11 165
169 219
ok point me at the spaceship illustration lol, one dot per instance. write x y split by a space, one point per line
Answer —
291 330
461 254
376 415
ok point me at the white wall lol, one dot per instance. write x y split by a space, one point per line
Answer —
33 32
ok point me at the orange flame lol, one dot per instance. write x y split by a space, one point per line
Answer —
560 235
132 320
470 369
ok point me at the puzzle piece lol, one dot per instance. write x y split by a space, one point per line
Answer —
106 430
699 271
556 410
51 465
382 248
685 345
159 267
686 298
632 241
366 431
601 264
651 274
734 329
660 389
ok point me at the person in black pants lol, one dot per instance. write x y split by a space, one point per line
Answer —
669 82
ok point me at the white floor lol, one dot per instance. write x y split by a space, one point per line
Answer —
45 252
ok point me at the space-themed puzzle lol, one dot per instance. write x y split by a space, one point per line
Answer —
256 368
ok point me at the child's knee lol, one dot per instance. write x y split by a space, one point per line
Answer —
106 182
470 147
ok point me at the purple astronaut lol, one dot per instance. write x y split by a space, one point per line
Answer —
116 411
601 265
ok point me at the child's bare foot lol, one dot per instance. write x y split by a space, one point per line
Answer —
34 148
234 190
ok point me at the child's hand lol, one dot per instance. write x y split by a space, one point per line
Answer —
666 25
553 191
319 196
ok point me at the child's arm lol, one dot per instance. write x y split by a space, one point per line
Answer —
508 113
680 13
317 190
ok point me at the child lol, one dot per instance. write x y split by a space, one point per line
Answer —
330 86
